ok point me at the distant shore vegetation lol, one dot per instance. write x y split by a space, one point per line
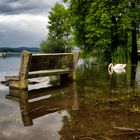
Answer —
19 49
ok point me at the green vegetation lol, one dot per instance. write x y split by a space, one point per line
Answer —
110 27
20 49
59 39
135 109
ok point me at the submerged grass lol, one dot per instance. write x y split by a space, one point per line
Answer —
135 109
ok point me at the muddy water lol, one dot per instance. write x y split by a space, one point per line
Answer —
98 106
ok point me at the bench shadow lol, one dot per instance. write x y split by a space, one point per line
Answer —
39 102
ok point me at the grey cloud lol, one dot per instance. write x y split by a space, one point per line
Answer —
20 40
24 6
23 30
23 22
15 38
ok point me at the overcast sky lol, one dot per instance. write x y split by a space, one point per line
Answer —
23 22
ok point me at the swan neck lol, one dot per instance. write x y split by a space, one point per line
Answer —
111 66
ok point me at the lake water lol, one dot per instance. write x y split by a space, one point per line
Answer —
98 106
8 65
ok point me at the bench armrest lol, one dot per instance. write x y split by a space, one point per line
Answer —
12 78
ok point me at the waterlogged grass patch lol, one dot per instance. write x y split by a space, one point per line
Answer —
135 109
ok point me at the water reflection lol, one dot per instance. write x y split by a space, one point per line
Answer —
39 102
133 75
97 106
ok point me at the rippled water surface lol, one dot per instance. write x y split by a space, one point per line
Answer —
98 106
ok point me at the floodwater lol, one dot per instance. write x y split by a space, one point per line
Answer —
98 106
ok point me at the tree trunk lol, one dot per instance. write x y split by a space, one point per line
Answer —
134 54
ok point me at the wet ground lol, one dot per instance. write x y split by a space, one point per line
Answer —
98 106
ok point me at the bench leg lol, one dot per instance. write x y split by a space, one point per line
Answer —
14 94
14 89
21 84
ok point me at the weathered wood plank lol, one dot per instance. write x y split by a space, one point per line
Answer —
18 84
44 62
21 81
14 94
24 64
12 77
52 54
48 72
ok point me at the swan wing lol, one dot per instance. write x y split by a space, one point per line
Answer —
119 71
119 66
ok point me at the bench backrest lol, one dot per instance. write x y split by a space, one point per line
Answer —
51 61
38 62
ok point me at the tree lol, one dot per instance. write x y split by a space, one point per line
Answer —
78 10
98 25
105 25
59 31
134 19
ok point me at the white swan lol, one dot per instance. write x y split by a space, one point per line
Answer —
118 68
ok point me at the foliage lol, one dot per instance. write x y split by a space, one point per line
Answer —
105 25
119 56
98 25
135 109
50 45
78 11
98 28
59 39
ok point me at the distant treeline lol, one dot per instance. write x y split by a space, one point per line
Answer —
20 49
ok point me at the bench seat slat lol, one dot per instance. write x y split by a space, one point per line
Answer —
42 73
51 54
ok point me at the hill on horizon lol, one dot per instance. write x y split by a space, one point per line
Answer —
19 49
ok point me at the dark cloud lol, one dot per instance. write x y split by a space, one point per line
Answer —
7 9
26 6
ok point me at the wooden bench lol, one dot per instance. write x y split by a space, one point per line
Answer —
40 65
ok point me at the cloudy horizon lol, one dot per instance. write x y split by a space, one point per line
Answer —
23 23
